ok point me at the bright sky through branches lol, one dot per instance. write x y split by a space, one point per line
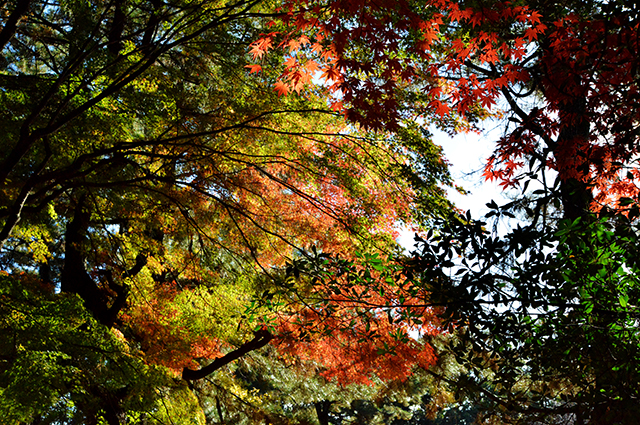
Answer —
467 154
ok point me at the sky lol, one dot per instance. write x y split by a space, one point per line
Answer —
467 154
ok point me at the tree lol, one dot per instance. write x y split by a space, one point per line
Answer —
546 314
563 347
269 387
150 183
547 327
161 190
460 57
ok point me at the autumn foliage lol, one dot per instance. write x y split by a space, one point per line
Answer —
372 55
193 180
156 184
357 319
566 78
388 61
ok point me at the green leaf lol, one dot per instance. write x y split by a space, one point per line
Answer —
623 300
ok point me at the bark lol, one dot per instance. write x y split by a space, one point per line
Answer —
75 279
117 28
114 413
152 26
576 194
219 409
15 211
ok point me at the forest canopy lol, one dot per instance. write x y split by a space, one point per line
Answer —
200 202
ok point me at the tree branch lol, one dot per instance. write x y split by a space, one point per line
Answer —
262 338
11 26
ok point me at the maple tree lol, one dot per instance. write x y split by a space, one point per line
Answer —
450 62
267 387
544 345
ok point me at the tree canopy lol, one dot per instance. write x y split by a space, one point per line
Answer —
544 316
152 187
186 182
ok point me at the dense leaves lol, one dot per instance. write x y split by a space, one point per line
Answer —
389 61
55 355
164 163
152 186
455 60
544 314
547 318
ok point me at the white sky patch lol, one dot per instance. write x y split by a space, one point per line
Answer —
467 155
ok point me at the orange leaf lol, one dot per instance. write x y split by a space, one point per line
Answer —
291 62
281 88
254 68
312 66
260 47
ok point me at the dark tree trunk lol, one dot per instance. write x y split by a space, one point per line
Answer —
322 410
576 194
74 278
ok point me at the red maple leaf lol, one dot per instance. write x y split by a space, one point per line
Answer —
254 68
281 88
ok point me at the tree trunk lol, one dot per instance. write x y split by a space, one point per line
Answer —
322 410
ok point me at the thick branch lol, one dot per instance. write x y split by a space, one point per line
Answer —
15 211
262 338
117 28
322 410
11 25
76 280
